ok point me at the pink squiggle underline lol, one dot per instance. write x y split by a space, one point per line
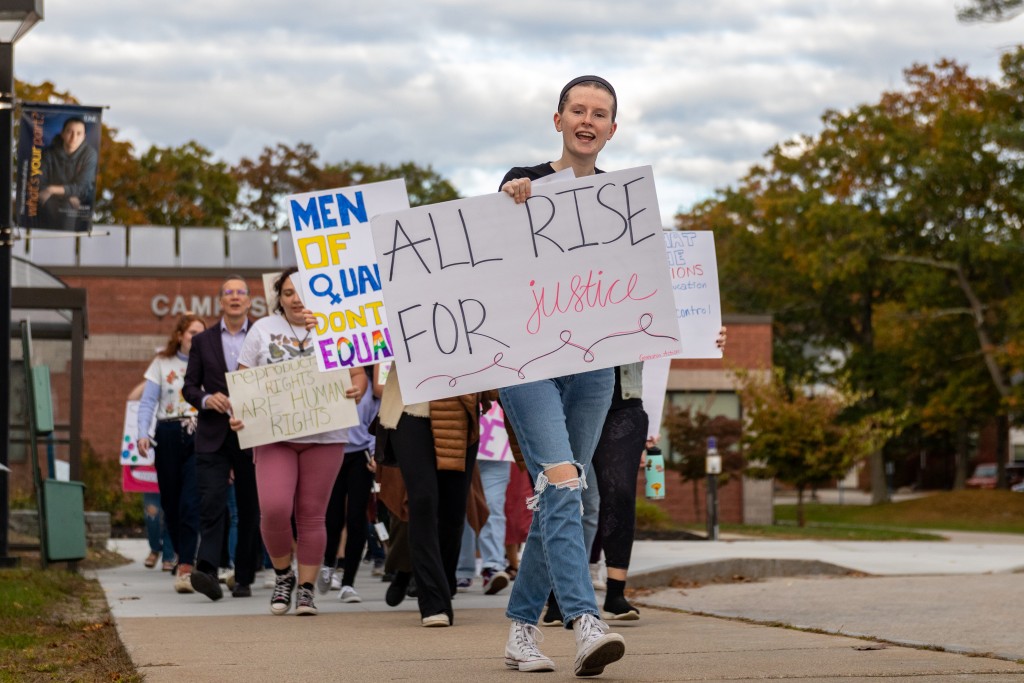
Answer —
645 322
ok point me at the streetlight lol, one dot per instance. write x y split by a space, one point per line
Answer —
16 18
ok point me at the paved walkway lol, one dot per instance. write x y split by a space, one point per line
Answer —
957 595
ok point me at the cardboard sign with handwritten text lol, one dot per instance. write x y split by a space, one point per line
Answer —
290 399
484 293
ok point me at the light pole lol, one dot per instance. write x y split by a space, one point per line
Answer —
16 18
713 467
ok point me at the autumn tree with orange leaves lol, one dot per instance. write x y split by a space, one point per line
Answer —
887 248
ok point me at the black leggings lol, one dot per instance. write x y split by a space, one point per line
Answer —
179 492
437 511
616 464
347 508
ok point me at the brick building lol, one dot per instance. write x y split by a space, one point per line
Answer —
137 284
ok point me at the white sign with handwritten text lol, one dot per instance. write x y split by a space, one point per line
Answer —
484 293
694 270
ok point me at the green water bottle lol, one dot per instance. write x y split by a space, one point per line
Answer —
654 473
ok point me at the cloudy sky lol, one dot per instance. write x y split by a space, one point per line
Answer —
470 86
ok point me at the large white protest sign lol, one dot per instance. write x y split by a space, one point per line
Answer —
286 400
338 274
694 269
484 293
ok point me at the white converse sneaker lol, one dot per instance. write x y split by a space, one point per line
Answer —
521 651
436 621
348 594
323 579
595 647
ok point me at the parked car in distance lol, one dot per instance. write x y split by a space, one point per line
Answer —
984 476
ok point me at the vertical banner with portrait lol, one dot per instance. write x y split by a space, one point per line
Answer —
58 154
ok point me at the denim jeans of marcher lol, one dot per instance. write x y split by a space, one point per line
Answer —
156 531
556 421
494 475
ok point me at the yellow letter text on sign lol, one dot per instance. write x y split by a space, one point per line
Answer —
320 251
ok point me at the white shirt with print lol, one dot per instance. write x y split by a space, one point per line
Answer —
169 375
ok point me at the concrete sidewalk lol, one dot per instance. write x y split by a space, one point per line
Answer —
187 637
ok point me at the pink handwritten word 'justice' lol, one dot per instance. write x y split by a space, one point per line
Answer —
580 295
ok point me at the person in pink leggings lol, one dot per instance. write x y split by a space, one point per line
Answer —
295 476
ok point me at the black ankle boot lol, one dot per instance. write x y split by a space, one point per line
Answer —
396 591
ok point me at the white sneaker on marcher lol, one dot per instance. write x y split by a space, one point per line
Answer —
335 582
183 583
595 577
348 594
226 575
521 651
323 579
436 620
596 648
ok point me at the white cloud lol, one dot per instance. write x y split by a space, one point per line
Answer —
469 87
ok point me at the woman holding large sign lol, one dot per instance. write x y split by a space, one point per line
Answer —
557 423
293 477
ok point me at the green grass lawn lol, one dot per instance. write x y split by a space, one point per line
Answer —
819 532
55 626
985 511
973 510
830 532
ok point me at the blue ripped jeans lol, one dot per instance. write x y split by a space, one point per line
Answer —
556 421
